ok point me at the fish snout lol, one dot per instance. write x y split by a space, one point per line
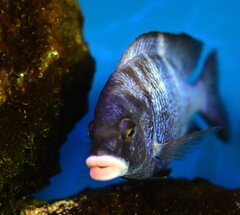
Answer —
101 151
108 148
106 167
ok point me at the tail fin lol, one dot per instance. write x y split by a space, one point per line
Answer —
214 111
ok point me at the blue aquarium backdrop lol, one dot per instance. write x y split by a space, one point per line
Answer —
109 27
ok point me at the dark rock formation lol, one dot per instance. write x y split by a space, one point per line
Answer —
151 197
45 75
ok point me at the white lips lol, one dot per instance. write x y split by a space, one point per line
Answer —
106 167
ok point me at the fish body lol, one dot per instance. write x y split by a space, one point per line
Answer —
144 111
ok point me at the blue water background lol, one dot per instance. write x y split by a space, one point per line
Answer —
109 27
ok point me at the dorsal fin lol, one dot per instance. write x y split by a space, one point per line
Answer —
180 50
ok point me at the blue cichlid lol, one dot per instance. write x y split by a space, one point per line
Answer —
142 118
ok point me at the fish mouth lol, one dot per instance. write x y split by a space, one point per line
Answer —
106 167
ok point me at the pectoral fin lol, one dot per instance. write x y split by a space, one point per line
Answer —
175 148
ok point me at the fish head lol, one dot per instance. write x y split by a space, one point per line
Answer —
119 149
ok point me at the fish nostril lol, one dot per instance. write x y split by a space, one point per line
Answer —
113 144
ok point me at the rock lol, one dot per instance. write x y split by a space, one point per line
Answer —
150 197
45 75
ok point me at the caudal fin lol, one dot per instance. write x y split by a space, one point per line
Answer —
213 111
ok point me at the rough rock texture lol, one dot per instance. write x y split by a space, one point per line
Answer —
151 197
45 75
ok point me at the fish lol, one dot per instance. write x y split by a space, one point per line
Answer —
143 117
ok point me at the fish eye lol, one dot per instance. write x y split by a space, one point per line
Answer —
127 129
130 132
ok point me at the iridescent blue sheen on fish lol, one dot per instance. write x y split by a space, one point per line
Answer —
144 111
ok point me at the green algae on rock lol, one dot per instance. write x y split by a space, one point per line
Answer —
45 75
148 197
